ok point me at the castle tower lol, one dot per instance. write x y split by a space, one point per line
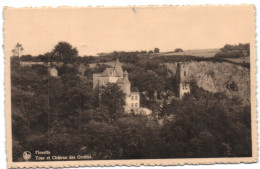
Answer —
125 76
118 68
126 85
182 79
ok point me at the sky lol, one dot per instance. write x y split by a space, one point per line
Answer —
96 30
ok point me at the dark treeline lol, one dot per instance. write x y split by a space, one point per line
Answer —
124 56
129 57
234 51
64 53
63 114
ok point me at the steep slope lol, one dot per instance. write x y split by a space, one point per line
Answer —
228 78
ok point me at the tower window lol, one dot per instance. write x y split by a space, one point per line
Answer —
132 105
136 105
132 97
184 86
184 73
136 97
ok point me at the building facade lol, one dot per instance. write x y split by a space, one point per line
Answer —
120 77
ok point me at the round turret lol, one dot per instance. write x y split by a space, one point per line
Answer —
118 68
125 76
126 86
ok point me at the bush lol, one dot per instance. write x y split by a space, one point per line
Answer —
178 50
234 51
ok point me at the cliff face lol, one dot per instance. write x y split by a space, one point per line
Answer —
228 78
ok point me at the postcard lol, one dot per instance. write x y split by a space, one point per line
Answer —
141 85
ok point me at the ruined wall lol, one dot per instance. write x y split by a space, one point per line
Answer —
183 88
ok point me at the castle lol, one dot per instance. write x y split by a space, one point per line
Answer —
120 77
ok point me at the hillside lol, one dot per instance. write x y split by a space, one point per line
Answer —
228 78
58 107
195 52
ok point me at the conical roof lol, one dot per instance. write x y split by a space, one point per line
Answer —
118 67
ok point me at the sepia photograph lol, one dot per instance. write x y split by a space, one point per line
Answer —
130 85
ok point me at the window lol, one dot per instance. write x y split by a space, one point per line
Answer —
136 97
112 72
184 86
132 105
184 73
136 105
132 97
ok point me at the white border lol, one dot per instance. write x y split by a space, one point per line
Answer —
56 3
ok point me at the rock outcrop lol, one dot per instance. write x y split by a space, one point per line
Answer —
230 79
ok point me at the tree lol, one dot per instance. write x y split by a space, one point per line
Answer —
15 63
156 50
113 97
149 82
234 51
178 50
64 52
46 58
79 97
100 139
18 49
26 58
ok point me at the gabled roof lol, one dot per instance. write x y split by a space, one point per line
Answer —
109 72
117 71
118 67
117 62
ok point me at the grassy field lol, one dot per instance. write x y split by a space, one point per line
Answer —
111 64
196 52
239 60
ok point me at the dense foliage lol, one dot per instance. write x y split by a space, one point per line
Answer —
178 50
234 51
113 98
63 115
127 57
